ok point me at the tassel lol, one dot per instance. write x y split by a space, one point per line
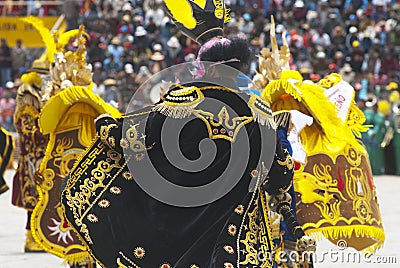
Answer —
175 112
344 232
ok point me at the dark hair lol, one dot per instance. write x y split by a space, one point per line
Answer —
216 50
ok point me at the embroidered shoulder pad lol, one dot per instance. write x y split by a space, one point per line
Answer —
262 113
180 101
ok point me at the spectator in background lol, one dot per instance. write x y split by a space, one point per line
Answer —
320 63
372 63
112 66
174 54
116 50
19 59
379 13
299 12
356 57
351 37
246 25
71 12
99 88
5 62
7 107
356 4
390 63
347 73
321 39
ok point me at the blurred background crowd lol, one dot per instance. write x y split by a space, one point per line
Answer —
131 40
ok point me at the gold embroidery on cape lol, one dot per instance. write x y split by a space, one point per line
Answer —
224 121
136 141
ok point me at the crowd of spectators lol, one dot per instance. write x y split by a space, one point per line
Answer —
131 40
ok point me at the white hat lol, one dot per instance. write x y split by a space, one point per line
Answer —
279 28
320 55
333 16
9 84
115 41
140 31
173 42
190 57
128 68
144 70
299 4
157 56
98 64
353 29
157 47
347 68
127 7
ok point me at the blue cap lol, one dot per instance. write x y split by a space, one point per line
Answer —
246 16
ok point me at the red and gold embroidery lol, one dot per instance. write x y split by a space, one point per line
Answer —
124 143
92 218
232 229
115 190
104 203
139 252
127 175
239 209
111 141
229 249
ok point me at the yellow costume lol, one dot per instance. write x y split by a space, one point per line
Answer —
68 117
335 192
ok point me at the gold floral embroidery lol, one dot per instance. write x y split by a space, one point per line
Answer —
104 132
136 141
139 252
288 162
92 218
124 143
104 203
232 229
127 175
229 249
111 141
239 209
165 265
115 190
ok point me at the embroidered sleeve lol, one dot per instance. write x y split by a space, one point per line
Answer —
280 176
109 131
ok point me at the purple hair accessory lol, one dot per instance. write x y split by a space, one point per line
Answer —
213 42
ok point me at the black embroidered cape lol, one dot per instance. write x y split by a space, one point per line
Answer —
124 226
